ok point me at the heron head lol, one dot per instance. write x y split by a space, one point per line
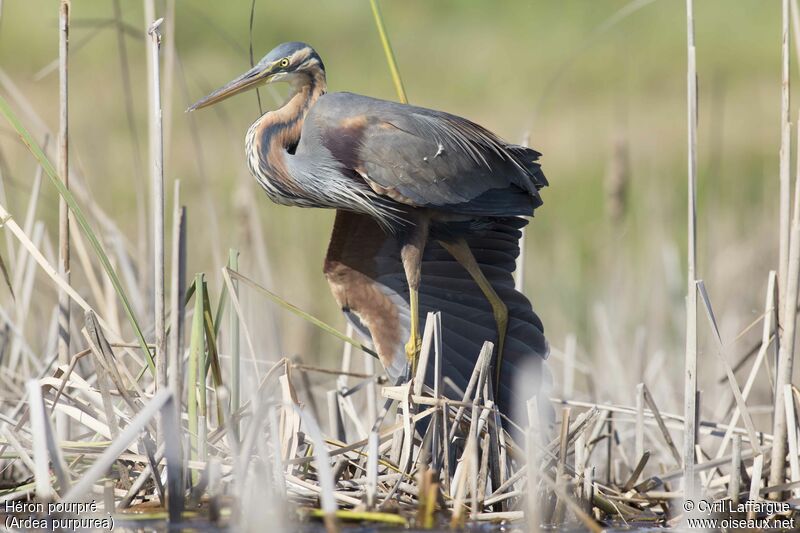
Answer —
293 62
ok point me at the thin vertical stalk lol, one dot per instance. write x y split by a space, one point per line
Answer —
169 74
519 269
690 365
149 17
387 48
157 178
252 58
203 359
788 317
784 156
233 323
177 315
791 433
63 209
178 289
196 350
736 466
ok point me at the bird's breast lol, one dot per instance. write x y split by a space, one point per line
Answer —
266 158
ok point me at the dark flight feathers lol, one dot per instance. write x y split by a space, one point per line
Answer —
467 319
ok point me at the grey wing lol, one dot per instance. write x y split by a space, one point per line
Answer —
428 158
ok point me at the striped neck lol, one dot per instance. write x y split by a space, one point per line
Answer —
279 131
274 136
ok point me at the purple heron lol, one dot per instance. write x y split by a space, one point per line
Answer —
429 215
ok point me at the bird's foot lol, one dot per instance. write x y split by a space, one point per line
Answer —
413 347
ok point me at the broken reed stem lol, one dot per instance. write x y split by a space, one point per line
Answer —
690 367
157 177
786 349
63 209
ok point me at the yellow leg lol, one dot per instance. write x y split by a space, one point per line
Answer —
411 256
461 253
414 341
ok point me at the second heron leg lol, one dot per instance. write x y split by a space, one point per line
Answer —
460 251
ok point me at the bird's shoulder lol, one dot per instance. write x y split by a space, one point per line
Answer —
344 105
384 125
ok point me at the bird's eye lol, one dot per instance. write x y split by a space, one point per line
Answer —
285 62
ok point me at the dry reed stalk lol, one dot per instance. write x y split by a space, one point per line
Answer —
777 472
157 180
63 210
527 477
588 522
178 288
44 489
196 351
784 227
755 483
131 432
150 67
7 221
558 513
769 306
424 355
99 347
325 476
438 432
690 364
736 466
335 421
636 472
639 436
737 394
234 348
648 398
791 424
519 269
170 57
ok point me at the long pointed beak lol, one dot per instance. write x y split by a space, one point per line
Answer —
250 79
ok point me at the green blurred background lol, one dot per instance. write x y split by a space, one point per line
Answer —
598 86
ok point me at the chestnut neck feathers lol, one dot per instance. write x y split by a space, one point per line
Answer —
274 137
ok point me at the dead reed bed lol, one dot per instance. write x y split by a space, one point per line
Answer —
110 428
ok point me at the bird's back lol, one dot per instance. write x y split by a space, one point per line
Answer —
421 157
